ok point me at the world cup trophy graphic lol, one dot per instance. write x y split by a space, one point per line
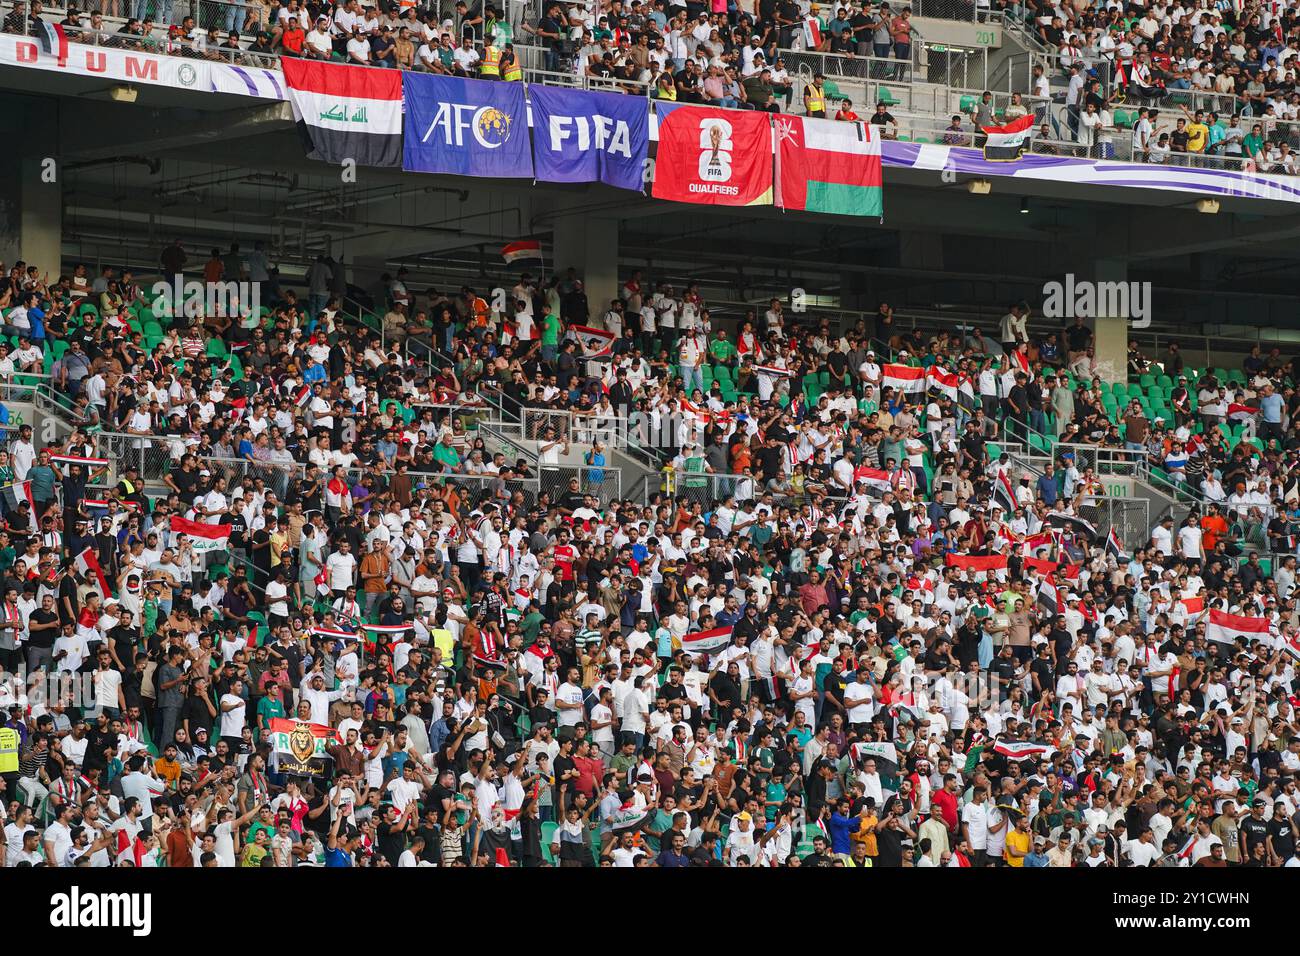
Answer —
715 141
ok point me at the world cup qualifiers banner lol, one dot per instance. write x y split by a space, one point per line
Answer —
465 127
585 137
713 156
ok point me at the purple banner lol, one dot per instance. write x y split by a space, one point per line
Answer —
1094 172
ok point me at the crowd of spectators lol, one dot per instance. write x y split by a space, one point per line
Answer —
848 629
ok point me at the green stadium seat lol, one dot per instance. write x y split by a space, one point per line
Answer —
887 97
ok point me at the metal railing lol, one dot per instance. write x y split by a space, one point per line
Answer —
239 18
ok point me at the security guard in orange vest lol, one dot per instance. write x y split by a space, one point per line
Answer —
814 97
491 67
511 71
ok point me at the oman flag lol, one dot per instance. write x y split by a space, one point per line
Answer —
1226 628
828 166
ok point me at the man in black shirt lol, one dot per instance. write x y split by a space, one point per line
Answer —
43 628
889 840
688 84
1254 829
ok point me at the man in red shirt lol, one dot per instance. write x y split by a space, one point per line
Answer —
565 555
946 800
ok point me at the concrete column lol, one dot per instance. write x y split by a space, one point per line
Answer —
31 213
1111 331
590 246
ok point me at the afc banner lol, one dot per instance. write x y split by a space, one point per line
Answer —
465 127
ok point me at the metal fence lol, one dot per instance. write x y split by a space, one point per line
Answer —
601 481
1130 517
965 10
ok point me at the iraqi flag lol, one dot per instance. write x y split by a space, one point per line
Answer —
203 537
594 343
54 41
130 849
1034 543
980 564
1049 598
1115 547
772 371
628 819
1023 749
903 378
1004 493
707 642
522 253
1292 647
1194 606
90 464
828 166
374 633
1007 143
333 634
87 565
346 113
882 752
1072 523
1242 413
877 479
16 493
1048 568
812 34
1227 628
954 386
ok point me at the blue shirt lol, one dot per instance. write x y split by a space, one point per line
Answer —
1270 408
1047 489
841 827
669 858
337 858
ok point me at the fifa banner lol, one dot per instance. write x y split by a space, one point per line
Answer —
298 747
713 156
582 137
465 127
